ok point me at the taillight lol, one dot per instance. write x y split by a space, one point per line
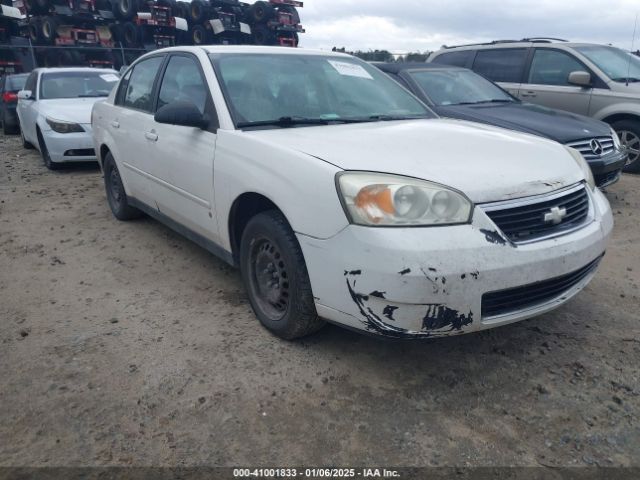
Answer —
8 97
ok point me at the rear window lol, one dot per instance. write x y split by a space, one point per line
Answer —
501 65
16 82
457 59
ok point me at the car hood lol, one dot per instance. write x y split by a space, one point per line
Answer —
563 127
486 163
77 110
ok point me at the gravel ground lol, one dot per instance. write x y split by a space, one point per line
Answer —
125 344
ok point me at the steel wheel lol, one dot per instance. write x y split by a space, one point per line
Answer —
115 188
269 279
631 143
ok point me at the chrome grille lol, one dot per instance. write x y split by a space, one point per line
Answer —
585 147
530 219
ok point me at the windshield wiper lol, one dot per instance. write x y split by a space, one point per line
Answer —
625 79
287 122
494 100
94 95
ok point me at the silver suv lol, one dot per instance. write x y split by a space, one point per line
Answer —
599 81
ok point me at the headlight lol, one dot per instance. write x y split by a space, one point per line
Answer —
378 199
64 127
584 166
616 139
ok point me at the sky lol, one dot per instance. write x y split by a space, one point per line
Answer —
420 25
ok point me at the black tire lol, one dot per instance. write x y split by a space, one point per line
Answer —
44 152
629 133
26 145
200 35
261 12
199 11
131 35
49 29
275 276
263 35
182 10
34 30
125 9
116 196
52 58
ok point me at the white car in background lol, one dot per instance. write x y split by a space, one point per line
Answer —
342 197
54 109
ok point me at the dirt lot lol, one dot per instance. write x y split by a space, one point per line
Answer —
124 344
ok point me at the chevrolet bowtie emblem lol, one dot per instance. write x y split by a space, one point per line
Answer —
555 216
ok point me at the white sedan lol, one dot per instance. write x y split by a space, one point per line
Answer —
343 198
54 110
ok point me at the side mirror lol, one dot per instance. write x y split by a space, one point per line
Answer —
181 113
580 78
25 95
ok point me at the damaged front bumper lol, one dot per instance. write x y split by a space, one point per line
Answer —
430 282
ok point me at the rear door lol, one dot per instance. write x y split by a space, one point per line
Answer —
504 66
184 156
130 125
547 83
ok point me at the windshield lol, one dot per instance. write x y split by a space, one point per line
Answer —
16 82
77 84
285 90
458 87
615 63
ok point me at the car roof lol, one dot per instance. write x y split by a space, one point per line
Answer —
397 67
497 44
251 49
73 69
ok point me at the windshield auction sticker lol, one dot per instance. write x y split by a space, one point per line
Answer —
350 69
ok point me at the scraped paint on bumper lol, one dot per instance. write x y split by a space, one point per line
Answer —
429 282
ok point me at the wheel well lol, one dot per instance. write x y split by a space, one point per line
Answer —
102 153
244 208
620 116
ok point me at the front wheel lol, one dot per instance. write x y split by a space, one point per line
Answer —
116 196
46 158
276 278
629 133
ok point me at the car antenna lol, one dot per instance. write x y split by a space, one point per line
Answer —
633 39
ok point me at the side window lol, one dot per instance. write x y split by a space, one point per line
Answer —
122 89
182 81
552 67
31 82
140 86
501 65
457 59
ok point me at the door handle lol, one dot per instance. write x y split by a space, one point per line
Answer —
115 124
151 136
529 94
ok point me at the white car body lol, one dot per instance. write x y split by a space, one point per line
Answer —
411 282
33 113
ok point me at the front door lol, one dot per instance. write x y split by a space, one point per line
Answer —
184 156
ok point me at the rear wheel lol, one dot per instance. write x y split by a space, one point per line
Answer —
116 195
276 278
629 133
